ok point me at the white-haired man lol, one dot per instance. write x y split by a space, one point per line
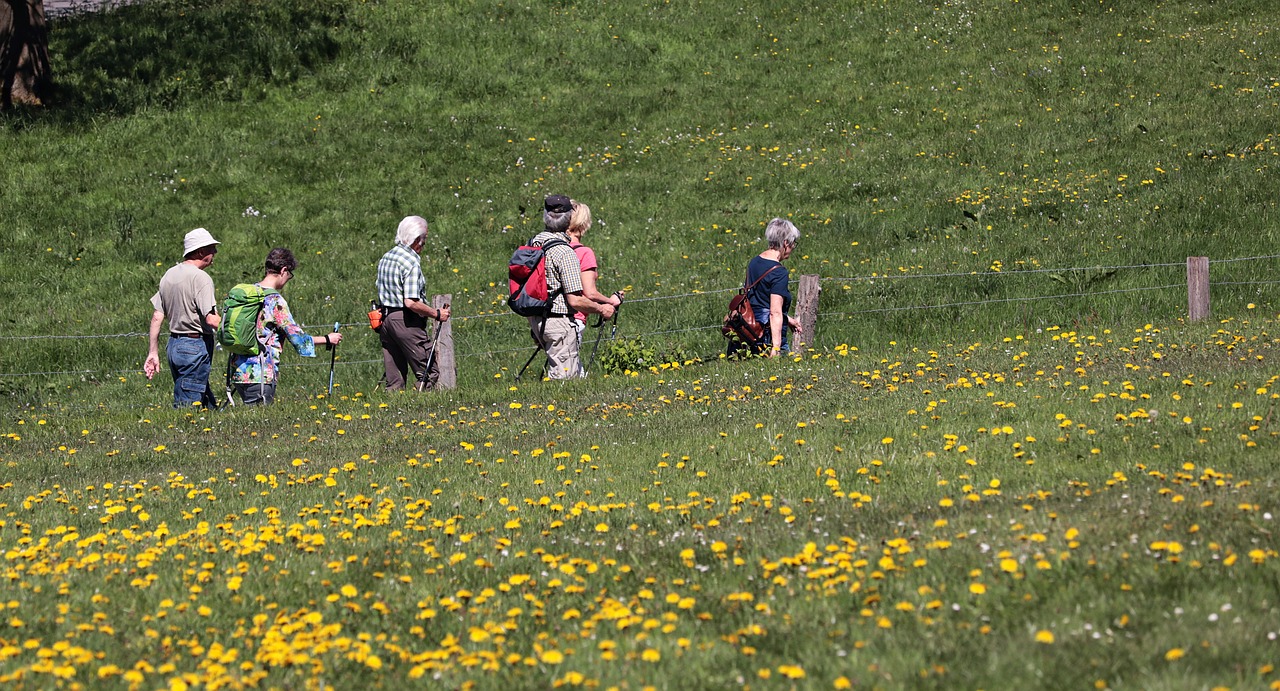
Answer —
406 341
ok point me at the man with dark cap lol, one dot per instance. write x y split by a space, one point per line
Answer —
187 299
558 337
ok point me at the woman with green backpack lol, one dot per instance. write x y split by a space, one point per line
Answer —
256 318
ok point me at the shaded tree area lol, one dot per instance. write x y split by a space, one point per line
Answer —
164 53
25 77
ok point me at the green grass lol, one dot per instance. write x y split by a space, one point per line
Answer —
963 156
940 140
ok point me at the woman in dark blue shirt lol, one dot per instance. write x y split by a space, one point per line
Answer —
769 292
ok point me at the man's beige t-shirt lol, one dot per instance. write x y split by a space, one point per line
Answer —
185 296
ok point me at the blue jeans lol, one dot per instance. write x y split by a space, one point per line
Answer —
189 363
766 341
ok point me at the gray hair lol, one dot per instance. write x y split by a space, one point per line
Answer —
412 229
781 232
556 222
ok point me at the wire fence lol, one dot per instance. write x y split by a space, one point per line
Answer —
1003 300
1065 271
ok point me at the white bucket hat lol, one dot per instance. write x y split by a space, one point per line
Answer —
196 239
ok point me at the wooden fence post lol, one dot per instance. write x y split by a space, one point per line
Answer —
807 312
1197 288
445 361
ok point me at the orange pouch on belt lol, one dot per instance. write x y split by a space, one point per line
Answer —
375 318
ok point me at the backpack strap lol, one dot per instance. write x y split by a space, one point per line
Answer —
262 316
748 288
553 242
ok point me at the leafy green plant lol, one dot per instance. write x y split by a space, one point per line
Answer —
625 355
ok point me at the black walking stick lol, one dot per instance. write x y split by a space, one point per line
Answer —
435 338
333 358
537 345
230 401
536 349
612 332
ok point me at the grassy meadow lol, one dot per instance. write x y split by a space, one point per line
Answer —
1009 462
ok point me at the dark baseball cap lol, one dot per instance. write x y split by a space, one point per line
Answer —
558 203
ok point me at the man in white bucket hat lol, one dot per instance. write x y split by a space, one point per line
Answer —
187 299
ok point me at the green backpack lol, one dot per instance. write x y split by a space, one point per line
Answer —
240 311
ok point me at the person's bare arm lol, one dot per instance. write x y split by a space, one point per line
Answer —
775 322
152 364
423 309
581 303
590 291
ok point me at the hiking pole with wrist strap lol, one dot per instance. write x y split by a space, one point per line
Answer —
333 357
435 338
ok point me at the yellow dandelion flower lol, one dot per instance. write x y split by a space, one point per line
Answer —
552 657
1045 637
791 671
1174 654
977 588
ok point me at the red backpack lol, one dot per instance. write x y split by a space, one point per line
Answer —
527 279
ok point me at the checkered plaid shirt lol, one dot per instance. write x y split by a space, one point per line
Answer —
400 277
563 270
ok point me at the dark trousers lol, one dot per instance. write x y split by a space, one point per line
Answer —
406 347
256 394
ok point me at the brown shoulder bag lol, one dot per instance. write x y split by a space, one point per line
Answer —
740 323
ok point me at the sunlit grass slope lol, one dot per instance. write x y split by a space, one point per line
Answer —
994 493
905 139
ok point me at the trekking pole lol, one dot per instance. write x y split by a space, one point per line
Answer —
333 358
537 346
613 332
230 402
536 350
435 338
